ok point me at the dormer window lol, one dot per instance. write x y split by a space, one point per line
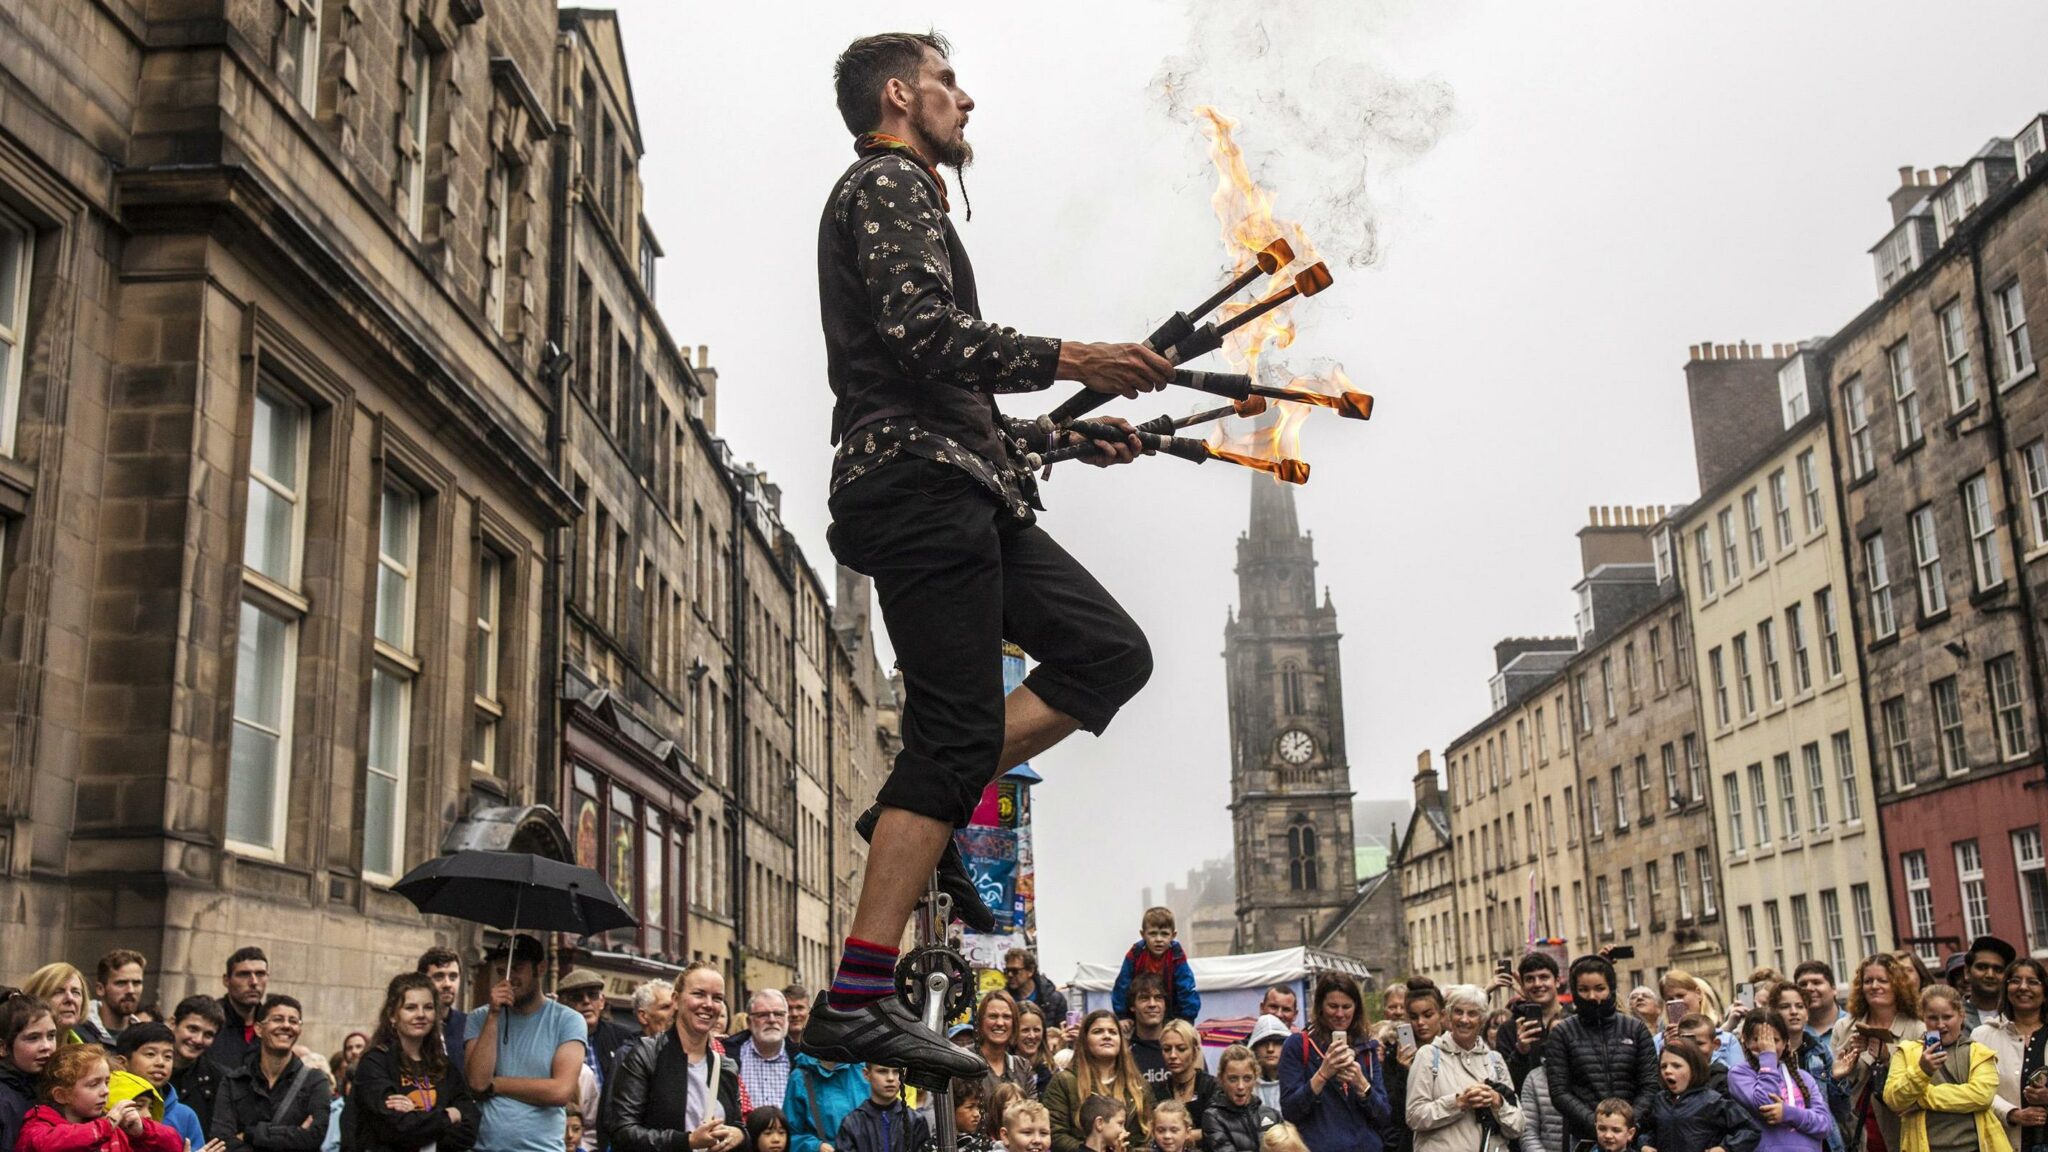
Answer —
1792 400
2030 144
1660 546
1584 618
1965 192
1898 254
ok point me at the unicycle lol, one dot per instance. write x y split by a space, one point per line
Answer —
938 984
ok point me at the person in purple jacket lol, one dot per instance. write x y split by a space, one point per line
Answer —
1785 1100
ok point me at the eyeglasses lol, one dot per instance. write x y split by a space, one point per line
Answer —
1015 971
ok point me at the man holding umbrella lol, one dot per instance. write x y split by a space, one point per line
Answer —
525 1056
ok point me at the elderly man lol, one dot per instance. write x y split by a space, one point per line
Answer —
654 1005
763 1051
583 990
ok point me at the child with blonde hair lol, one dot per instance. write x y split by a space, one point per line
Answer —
1283 1137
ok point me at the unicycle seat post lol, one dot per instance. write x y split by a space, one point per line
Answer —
934 914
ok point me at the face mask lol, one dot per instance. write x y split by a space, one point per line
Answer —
1596 1011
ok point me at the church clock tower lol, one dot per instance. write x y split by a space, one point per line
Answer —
1290 784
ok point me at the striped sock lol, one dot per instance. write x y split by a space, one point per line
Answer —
867 973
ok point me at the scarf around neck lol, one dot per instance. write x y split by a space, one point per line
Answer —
870 143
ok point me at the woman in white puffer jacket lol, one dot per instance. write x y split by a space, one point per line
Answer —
1451 1107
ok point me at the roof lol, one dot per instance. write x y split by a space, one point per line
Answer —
1364 895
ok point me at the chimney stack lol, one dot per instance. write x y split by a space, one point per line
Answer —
1425 780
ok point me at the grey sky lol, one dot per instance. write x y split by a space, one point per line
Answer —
1619 180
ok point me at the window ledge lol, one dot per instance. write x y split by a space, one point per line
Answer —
1882 642
1928 618
1990 595
1909 449
1856 482
2020 379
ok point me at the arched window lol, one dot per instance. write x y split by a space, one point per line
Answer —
1303 870
1293 695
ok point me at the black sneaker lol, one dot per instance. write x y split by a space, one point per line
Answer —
953 878
886 1032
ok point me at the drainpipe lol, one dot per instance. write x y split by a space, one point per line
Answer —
736 818
556 582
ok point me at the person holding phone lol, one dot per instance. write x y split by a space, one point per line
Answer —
2018 1040
1598 1054
1883 1010
1804 1051
1942 1086
1699 999
1530 1015
1332 1086
1424 1005
1788 1103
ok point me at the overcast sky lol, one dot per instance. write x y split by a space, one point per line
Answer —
1614 181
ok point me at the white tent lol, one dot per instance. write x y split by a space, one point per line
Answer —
1231 986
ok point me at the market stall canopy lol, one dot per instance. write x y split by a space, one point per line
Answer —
1252 970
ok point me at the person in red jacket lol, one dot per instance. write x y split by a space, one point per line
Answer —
76 1118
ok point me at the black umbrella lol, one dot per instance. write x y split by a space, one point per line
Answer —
515 890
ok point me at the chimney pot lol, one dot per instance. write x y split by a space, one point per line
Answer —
1923 177
1905 175
1592 515
1693 352
1942 174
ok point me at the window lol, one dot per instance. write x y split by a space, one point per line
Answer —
490 593
1653 884
1703 550
1673 797
1303 863
1984 560
266 661
1630 675
1792 390
1831 923
1777 927
17 260
1845 771
1657 677
391 683
2006 709
1795 636
415 129
1549 827
1788 794
1919 903
1601 895
1628 899
1695 772
1830 631
2034 463
1955 350
1593 806
2015 354
497 251
1720 678
1809 487
1706 871
1759 806
1948 726
1732 788
1730 550
1745 684
1571 826
1585 705
1970 884
1927 559
1856 413
1767 650
1905 397
1684 883
1816 787
298 49
1753 524
1866 919
1899 741
1879 576
2033 878
1681 660
1607 687
1660 554
1522 745
1564 738
1781 509
1748 916
1542 741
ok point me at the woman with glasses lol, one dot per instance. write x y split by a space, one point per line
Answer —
2022 1103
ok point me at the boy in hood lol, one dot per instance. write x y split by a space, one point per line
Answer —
1268 1036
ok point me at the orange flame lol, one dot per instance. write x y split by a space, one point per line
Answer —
1245 210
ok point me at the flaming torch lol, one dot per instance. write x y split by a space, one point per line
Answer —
1289 470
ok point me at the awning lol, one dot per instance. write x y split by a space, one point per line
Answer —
1252 970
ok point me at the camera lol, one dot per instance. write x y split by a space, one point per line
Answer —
1488 1122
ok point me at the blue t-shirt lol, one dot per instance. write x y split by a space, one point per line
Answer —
528 1051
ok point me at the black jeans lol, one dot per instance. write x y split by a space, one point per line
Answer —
955 574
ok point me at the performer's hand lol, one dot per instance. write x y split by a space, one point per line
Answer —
1109 452
1116 369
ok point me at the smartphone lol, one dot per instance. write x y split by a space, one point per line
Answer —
1524 1010
1745 996
1504 967
1931 1040
1622 952
1404 1033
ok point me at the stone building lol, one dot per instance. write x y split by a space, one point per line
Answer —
278 498
1428 873
358 506
1760 560
1651 867
1510 789
1938 417
1290 780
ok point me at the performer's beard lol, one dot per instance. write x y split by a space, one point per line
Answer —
953 151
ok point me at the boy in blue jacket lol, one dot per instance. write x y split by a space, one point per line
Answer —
1158 951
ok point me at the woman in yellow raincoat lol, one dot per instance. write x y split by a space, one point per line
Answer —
1943 1090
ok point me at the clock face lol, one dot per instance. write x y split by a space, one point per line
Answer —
1296 746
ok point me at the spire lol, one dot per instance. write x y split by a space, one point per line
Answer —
1272 509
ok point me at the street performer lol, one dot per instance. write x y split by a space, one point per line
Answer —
931 497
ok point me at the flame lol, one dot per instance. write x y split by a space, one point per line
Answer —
1245 210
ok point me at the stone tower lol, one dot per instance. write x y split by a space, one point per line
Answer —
1290 783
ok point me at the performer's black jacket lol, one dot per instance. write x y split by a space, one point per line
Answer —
904 338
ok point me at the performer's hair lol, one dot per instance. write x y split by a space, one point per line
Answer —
867 66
